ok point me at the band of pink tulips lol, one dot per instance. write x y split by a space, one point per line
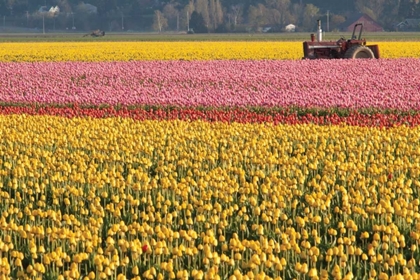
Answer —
305 84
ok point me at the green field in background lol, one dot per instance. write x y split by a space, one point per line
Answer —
78 37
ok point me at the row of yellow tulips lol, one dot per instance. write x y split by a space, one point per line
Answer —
126 51
118 198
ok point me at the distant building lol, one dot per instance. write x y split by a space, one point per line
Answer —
410 24
369 24
53 10
290 28
266 29
43 9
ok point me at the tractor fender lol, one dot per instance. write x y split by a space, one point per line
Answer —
356 52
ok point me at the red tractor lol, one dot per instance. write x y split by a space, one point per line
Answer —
352 48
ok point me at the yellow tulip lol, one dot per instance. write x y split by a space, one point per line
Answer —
135 270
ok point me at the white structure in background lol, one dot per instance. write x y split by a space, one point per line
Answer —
290 28
51 13
54 10
89 8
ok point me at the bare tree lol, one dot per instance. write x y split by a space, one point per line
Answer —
372 8
185 15
216 13
10 4
297 12
282 12
278 12
236 14
336 20
171 13
257 16
159 21
202 7
309 15
273 17
64 6
390 14
219 12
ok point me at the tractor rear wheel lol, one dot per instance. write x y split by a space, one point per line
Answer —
359 52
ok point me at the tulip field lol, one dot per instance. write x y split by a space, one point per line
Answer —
208 160
272 83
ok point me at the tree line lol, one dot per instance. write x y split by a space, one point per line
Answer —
200 15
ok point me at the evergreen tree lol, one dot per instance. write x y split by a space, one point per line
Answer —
197 23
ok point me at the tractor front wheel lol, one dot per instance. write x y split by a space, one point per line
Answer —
359 52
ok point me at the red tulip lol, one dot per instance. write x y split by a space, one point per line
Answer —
240 115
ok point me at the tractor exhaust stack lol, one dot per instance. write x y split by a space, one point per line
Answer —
319 31
312 37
